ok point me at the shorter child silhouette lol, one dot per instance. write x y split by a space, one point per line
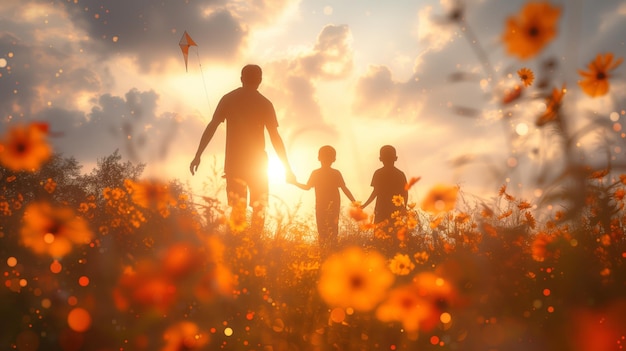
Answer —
327 181
387 182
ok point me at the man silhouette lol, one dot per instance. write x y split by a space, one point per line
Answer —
247 114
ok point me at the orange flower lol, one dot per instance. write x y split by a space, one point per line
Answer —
440 198
411 182
143 286
512 94
542 247
401 264
529 32
356 212
184 335
405 306
151 194
420 304
53 230
526 76
355 278
397 200
553 107
24 148
595 81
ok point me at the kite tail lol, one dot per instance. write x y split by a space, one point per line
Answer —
206 93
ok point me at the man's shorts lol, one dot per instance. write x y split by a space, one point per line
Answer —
237 189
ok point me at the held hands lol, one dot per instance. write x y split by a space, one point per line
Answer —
193 167
290 177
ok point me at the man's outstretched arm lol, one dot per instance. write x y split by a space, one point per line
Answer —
279 147
209 131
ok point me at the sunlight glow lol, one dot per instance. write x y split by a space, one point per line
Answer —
275 169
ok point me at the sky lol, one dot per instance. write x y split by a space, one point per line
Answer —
354 74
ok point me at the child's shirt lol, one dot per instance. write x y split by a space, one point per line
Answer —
388 182
326 182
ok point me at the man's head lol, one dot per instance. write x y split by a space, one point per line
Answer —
388 154
327 154
251 76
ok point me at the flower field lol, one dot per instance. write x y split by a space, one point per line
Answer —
111 260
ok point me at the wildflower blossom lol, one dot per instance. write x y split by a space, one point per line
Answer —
184 335
151 194
411 182
526 76
529 32
440 198
595 80
541 247
553 107
356 212
405 306
418 305
512 94
397 200
53 230
25 148
401 264
354 278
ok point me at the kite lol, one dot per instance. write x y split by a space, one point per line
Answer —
184 43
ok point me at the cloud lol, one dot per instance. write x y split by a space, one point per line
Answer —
293 82
331 58
378 95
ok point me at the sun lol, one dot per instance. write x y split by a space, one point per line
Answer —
275 170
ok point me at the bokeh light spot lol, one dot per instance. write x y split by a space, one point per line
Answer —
338 315
79 319
48 238
55 267
614 116
228 331
11 261
83 281
46 303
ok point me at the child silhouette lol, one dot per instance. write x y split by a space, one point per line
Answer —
327 181
387 182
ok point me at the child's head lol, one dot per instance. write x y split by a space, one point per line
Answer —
388 154
327 154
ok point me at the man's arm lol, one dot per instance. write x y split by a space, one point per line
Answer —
279 147
209 131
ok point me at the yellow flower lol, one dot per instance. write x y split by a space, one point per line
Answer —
24 148
553 107
596 80
397 200
440 198
526 76
529 32
354 278
53 230
401 264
